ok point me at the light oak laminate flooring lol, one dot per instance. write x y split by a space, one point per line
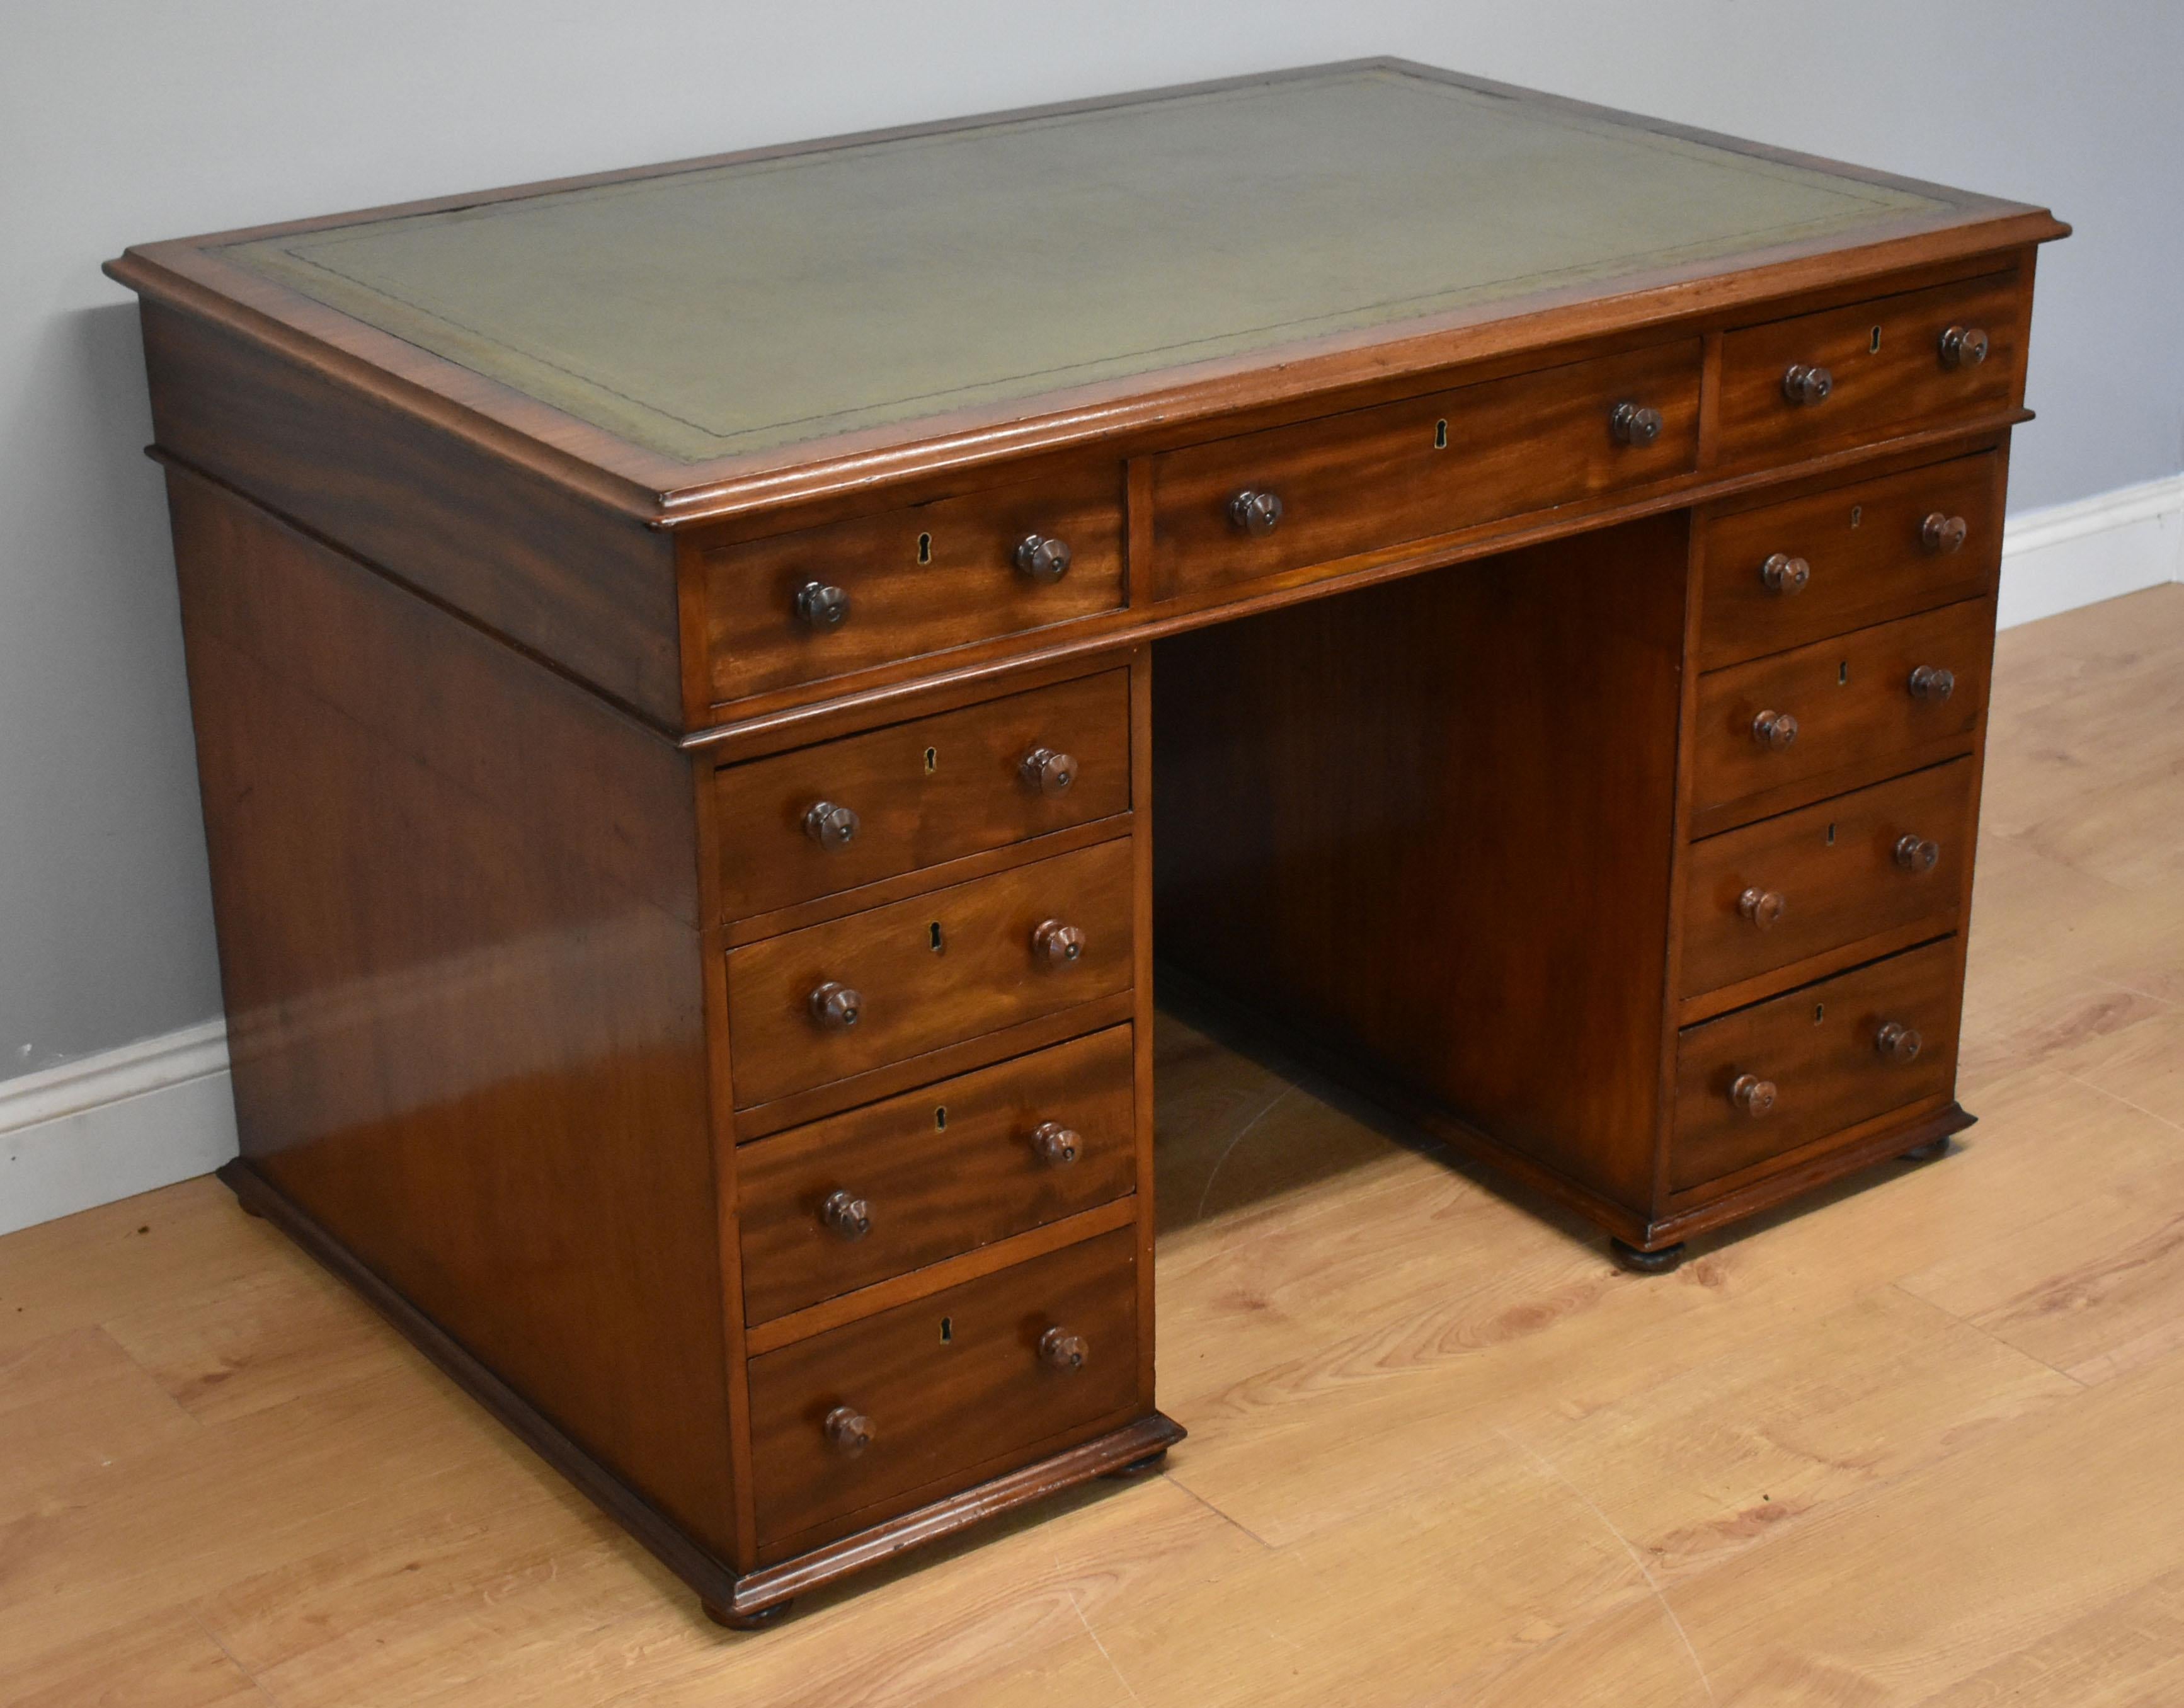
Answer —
1914 1441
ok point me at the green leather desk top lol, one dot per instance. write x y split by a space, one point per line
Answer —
717 310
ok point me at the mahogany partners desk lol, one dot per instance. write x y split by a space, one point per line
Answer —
687 664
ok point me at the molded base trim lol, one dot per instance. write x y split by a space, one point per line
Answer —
719 1589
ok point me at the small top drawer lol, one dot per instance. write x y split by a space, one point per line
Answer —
900 583
1370 479
1783 574
823 819
1762 1082
812 1007
905 1182
1872 370
1785 729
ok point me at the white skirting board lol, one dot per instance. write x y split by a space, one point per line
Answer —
2092 549
91 1132
113 1125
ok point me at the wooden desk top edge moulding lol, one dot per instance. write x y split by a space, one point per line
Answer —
672 661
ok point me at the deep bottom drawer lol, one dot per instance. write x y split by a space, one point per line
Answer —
950 1389
1762 1082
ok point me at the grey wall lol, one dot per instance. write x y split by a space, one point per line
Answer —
125 120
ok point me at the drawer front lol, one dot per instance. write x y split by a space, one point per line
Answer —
930 971
1887 369
1854 556
1853 704
904 1183
919 793
1881 859
953 1388
1374 478
1820 1049
918 580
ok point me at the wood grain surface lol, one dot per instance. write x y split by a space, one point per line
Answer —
1861 544
925 791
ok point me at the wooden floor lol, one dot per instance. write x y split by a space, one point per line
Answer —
1918 1442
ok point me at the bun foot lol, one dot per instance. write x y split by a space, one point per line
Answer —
747 1621
1658 1262
1927 1152
1137 1467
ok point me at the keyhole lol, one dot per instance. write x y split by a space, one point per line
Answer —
933 937
947 1330
1843 674
1875 347
940 1117
1856 514
931 760
1820 1013
925 548
1831 835
1441 435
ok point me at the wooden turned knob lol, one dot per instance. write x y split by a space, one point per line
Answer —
1256 511
830 826
1047 771
835 1005
1058 945
1764 908
846 1216
1054 1144
1806 384
1932 682
1943 534
1752 1095
1634 425
1914 853
1774 730
1059 1349
1042 557
821 606
1784 574
1898 1042
848 1430
1963 346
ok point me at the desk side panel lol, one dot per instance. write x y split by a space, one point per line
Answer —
456 898
591 591
1426 829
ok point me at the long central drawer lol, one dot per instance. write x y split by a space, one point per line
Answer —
1372 478
811 1007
